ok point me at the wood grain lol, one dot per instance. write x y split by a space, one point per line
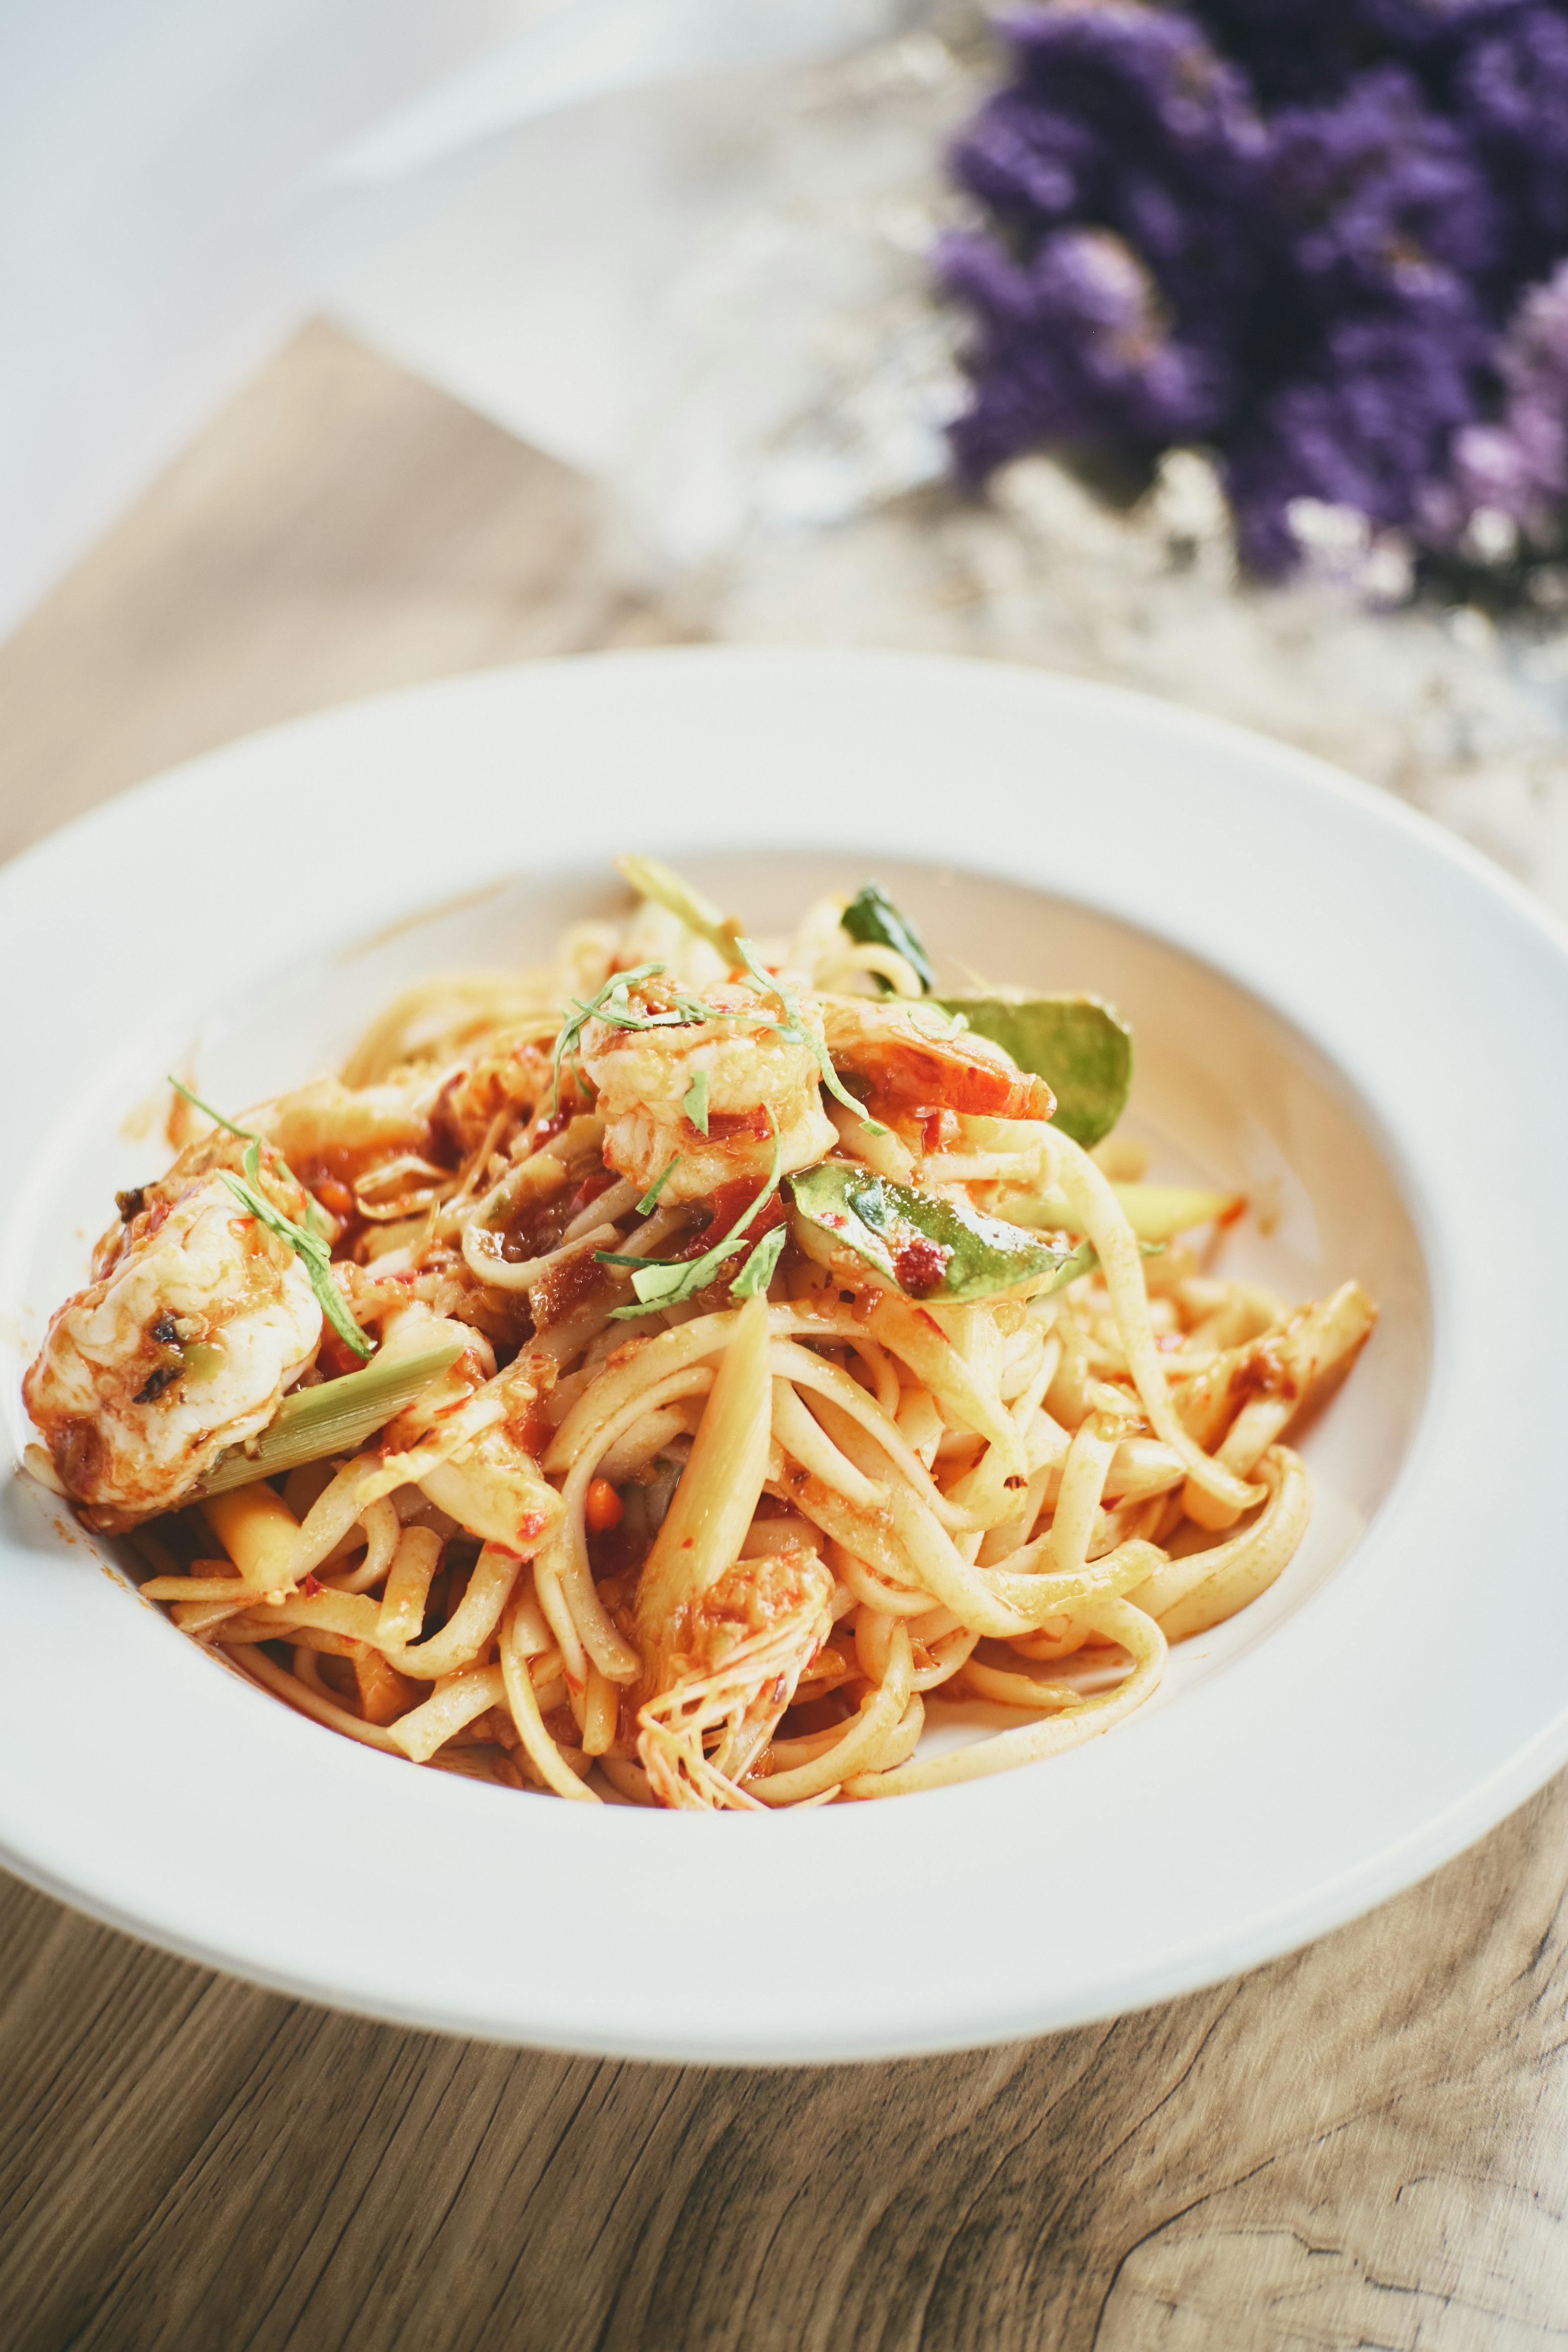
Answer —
1364 2145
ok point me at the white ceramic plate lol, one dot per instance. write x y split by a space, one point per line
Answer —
1335 1004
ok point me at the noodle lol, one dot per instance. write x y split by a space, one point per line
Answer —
542 1753
776 1373
470 1691
407 1587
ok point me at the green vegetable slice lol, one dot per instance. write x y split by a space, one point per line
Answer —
872 919
918 1243
335 1417
1156 1212
1080 1047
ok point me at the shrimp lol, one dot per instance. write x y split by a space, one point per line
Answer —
758 1084
198 1321
915 1062
338 1138
745 1647
362 1123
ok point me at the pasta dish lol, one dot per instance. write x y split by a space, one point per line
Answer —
685 1373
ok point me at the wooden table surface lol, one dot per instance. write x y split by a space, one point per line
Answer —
1364 2145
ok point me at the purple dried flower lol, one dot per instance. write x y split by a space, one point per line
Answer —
1415 25
1366 429
1122 117
1518 465
1299 49
1378 197
1320 290
1510 90
1073 348
1135 67
1034 164
1289 49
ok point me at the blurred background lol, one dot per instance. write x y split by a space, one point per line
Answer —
1218 350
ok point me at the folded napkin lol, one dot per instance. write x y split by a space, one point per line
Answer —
522 233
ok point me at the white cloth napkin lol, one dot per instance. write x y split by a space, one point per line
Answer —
520 234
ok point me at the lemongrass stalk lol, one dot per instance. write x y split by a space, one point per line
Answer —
666 889
335 1417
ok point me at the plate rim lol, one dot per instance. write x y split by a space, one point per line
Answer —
47 864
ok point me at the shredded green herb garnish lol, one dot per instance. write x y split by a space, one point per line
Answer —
794 1027
216 1116
658 1283
308 1246
312 1207
650 1201
694 1102
613 1004
577 1020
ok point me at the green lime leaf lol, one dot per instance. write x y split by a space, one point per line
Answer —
694 1102
1084 1260
916 1242
1081 1048
872 919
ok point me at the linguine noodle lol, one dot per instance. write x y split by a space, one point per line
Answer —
683 1374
